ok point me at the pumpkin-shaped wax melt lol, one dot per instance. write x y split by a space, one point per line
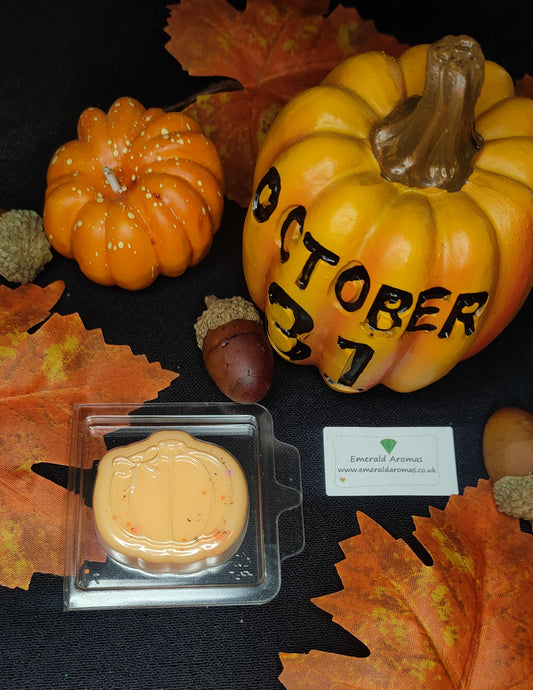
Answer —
391 231
170 503
138 194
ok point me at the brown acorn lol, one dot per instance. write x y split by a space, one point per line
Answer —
508 458
235 348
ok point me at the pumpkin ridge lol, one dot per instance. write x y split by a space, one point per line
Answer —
186 228
152 230
408 346
396 356
515 254
374 73
497 86
504 115
183 169
302 123
514 165
200 234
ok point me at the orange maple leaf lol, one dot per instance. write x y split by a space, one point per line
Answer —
274 49
463 622
524 86
42 374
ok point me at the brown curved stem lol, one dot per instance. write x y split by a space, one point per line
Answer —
430 140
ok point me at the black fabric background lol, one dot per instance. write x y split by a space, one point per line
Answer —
57 58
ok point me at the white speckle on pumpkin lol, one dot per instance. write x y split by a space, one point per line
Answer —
203 210
69 161
148 195
109 245
131 215
121 245
115 153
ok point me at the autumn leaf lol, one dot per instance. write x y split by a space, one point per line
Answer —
42 374
463 622
274 49
524 86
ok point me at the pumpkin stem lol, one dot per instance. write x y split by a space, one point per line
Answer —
430 140
110 177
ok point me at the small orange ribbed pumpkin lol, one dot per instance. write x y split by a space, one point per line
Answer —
391 231
138 194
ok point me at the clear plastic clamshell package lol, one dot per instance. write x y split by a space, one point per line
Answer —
191 504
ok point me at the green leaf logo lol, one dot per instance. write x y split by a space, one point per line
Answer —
388 444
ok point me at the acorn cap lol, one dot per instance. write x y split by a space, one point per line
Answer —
514 496
24 248
221 311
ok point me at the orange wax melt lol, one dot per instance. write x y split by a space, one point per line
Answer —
170 503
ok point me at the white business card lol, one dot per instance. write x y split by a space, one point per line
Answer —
390 461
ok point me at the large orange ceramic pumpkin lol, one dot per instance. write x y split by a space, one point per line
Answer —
391 231
138 194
